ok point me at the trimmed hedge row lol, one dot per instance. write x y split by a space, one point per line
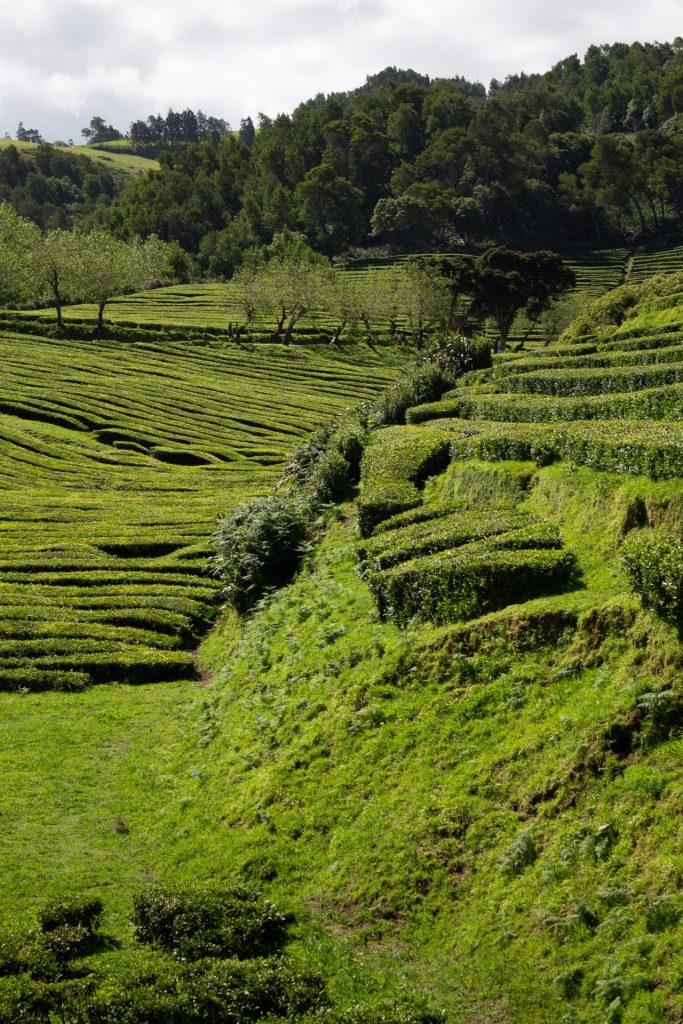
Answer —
422 514
621 344
470 581
135 665
648 449
592 382
661 403
617 358
401 456
396 462
446 532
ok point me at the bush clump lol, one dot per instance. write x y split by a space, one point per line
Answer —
425 383
311 462
653 560
74 913
209 921
259 547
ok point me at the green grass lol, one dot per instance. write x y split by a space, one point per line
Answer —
484 813
124 164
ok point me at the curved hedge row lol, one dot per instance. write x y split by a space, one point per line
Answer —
472 580
659 403
396 461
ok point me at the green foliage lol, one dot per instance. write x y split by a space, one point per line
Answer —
18 240
519 854
395 463
57 187
473 579
116 473
209 921
259 547
586 152
458 354
604 314
653 560
76 912
425 383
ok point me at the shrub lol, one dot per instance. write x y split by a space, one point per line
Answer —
457 355
661 913
84 913
209 921
259 547
519 854
425 383
67 930
331 479
653 560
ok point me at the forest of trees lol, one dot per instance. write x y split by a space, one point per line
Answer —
588 153
53 188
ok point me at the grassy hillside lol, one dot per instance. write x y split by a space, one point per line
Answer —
452 746
473 777
123 164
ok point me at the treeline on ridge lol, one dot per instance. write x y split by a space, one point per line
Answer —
589 152
53 188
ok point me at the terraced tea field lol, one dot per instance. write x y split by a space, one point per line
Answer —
650 260
211 307
116 461
613 404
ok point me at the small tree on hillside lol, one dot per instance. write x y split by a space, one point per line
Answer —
508 282
111 267
19 239
424 298
294 278
250 283
99 131
60 269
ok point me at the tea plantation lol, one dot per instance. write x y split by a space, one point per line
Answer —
449 751
470 763
116 461
211 307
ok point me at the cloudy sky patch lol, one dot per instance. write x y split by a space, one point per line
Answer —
65 60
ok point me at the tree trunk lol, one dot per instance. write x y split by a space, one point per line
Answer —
100 315
58 307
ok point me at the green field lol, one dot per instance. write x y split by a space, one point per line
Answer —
213 306
122 164
452 746
117 460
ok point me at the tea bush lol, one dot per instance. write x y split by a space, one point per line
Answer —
209 921
259 547
653 560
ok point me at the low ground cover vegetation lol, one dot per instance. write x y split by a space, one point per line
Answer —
451 741
118 459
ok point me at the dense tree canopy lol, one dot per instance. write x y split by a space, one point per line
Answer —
590 152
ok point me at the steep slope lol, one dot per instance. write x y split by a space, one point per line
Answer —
486 810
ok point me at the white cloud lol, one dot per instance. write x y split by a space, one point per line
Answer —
65 60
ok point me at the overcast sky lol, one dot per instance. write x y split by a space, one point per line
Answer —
64 60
